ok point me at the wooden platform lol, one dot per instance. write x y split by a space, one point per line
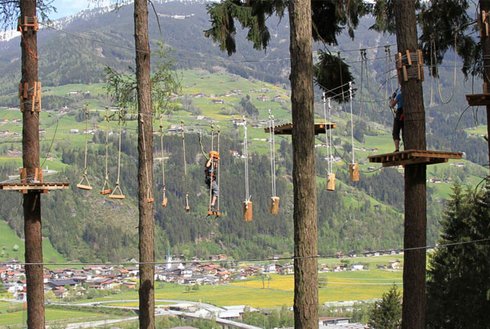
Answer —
24 187
478 99
287 128
410 157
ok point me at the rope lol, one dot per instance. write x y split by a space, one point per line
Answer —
272 153
187 207
106 177
245 155
351 122
119 155
147 172
163 159
212 171
86 141
363 68
327 139
439 88
218 171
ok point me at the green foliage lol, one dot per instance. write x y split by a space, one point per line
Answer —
248 108
458 285
387 313
281 318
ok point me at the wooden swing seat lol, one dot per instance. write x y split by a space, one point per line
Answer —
117 196
106 191
214 213
84 187
117 193
164 202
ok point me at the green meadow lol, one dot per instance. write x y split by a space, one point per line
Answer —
13 247
15 316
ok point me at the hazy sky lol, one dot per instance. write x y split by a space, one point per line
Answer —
70 7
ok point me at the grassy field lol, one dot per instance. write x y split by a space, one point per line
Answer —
15 316
9 240
279 290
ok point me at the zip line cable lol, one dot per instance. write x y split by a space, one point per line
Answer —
292 257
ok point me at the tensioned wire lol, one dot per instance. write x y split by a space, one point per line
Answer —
244 260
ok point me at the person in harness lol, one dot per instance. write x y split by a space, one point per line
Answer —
397 101
211 171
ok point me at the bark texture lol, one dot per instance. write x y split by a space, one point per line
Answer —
304 179
414 269
145 168
30 160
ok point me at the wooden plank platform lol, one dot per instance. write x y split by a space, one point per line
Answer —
478 99
410 157
24 187
287 128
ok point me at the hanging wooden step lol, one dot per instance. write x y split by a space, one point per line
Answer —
187 206
275 200
287 128
84 183
247 210
164 202
117 193
331 182
354 172
215 213
412 157
106 191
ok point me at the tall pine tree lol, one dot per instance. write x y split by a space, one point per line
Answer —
458 287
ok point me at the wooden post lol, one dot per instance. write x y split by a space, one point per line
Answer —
145 168
304 177
485 41
31 163
414 267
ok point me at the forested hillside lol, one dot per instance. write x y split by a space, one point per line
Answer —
216 89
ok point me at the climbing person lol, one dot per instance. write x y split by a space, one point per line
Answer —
397 100
211 171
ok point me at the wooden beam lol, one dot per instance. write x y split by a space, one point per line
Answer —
478 99
33 186
287 128
411 157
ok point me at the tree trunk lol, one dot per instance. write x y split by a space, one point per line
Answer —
414 269
145 168
30 159
304 179
485 41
